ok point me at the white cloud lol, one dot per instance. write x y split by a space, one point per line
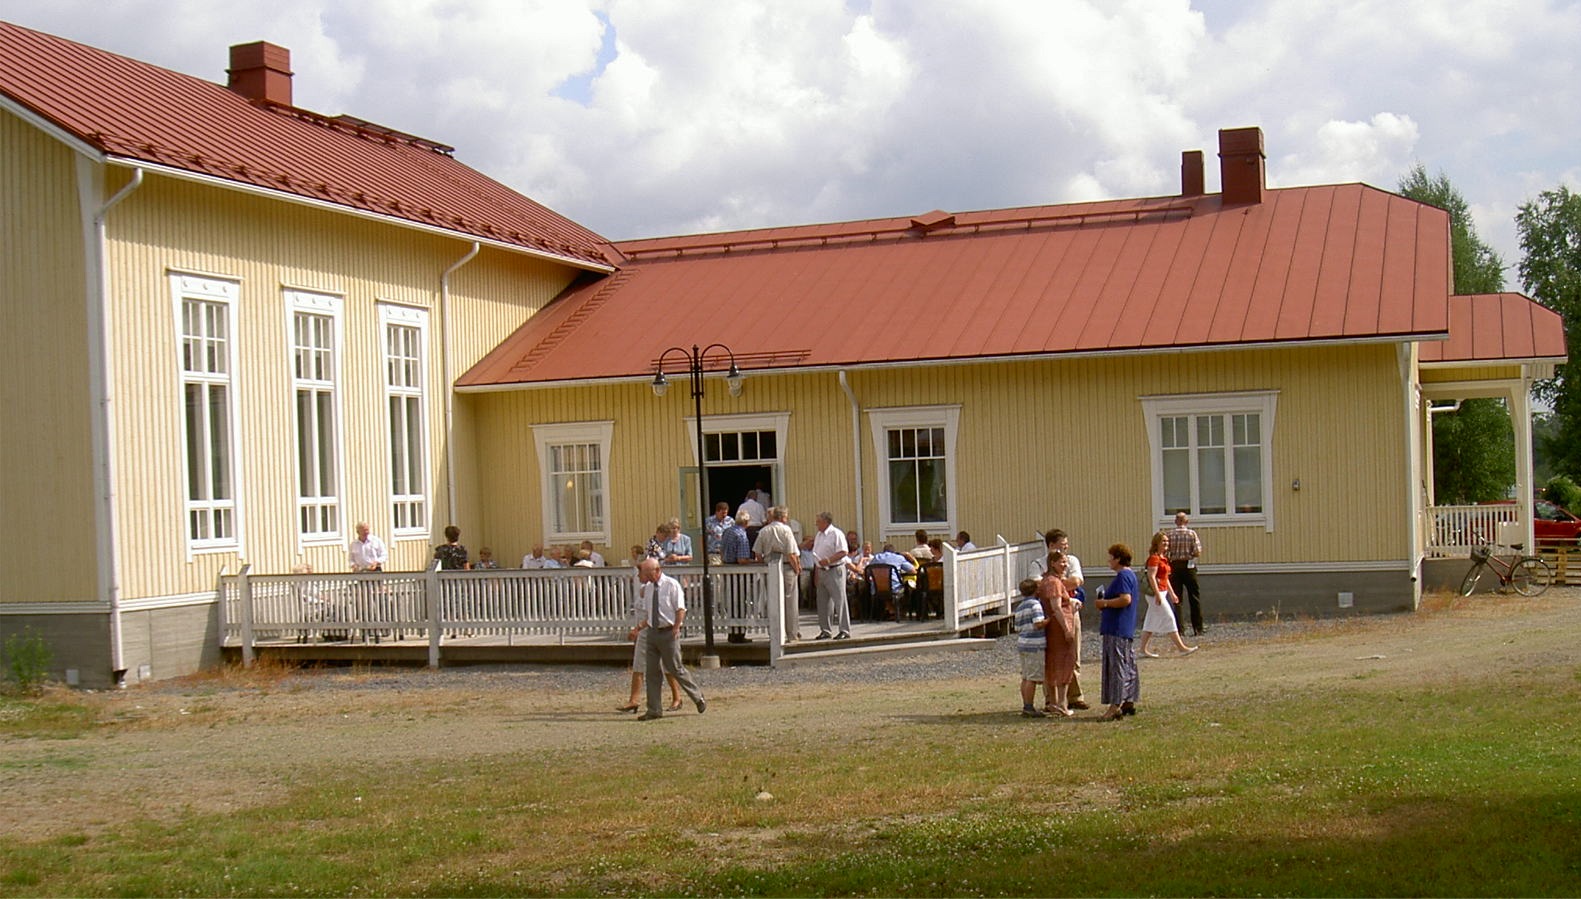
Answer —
751 112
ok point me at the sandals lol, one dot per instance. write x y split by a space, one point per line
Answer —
626 708
673 707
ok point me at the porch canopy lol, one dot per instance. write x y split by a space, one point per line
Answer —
1498 345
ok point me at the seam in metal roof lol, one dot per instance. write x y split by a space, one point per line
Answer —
134 111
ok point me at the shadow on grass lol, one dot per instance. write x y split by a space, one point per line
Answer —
1394 846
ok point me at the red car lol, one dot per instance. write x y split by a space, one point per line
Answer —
1553 525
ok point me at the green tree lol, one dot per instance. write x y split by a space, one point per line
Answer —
1550 229
1473 448
1473 453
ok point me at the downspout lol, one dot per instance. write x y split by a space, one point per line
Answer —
444 363
856 453
102 422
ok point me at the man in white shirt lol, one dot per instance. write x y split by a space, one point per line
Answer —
776 543
593 554
368 552
829 551
661 611
756 514
535 559
1057 539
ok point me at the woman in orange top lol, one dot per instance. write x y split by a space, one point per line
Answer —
1059 659
1160 617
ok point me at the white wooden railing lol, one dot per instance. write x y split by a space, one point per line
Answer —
983 582
1456 530
588 603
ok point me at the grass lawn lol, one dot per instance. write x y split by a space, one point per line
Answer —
1434 755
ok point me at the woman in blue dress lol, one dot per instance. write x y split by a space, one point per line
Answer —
1117 627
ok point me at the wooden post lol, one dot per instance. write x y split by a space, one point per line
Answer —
433 586
245 585
776 612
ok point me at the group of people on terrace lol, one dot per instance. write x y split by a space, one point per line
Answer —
1048 622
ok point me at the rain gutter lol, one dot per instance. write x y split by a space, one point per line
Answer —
102 395
450 394
856 451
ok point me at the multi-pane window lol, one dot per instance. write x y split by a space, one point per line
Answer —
576 482
741 446
917 476
573 461
203 308
916 466
314 375
404 330
1212 460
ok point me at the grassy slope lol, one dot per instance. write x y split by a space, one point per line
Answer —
1429 756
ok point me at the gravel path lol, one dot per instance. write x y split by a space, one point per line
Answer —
858 669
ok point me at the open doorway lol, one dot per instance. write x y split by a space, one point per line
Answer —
730 483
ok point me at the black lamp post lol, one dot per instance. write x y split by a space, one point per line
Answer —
695 360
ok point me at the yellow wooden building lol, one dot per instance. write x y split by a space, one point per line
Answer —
231 329
236 328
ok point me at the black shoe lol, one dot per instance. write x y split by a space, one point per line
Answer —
702 706
1127 708
822 636
842 636
650 716
739 638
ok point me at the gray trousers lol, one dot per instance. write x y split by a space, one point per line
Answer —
833 611
664 657
792 604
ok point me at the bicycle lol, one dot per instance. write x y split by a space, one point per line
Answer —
1528 575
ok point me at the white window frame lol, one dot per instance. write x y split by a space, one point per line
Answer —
1263 403
714 425
418 503
300 303
548 436
223 293
881 421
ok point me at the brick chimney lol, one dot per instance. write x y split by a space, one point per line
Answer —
1242 173
1192 183
261 71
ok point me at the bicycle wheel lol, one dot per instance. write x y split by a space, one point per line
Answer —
1531 576
1468 586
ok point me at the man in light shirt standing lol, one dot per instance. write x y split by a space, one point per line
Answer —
661 611
368 552
829 551
776 543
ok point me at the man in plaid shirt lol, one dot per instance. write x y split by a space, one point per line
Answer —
1183 549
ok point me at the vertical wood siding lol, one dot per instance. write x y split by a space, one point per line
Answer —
46 461
267 247
1042 444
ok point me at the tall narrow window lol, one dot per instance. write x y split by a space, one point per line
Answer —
1211 456
916 467
207 352
404 343
574 461
315 371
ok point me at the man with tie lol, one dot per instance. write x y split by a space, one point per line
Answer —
661 610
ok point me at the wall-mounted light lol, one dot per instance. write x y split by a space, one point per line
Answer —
1295 484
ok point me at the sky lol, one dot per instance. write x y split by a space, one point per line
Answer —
643 118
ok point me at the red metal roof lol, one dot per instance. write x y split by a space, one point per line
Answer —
1339 262
136 111
1498 327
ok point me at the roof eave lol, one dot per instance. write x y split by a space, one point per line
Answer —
51 128
972 360
325 205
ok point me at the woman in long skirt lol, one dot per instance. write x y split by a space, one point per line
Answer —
1117 627
1059 658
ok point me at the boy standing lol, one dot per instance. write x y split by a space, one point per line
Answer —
1030 645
